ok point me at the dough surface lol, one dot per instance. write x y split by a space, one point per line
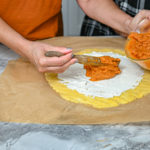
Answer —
74 86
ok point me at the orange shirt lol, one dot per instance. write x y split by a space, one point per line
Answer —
34 19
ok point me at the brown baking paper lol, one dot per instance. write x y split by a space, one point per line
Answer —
26 97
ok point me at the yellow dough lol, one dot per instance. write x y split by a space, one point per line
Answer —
98 102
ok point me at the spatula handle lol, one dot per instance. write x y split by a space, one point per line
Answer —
53 54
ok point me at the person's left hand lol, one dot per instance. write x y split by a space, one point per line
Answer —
139 23
136 24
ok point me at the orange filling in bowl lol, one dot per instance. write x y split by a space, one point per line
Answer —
107 70
138 49
138 46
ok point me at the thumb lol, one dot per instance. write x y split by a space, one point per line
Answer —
63 50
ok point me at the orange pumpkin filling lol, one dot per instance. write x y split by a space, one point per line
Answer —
138 45
107 70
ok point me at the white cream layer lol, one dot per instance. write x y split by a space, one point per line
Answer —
130 77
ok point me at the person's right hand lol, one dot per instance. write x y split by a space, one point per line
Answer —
36 54
35 51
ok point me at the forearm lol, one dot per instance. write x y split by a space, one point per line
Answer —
35 51
13 40
107 12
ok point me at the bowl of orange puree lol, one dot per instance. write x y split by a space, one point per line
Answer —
137 49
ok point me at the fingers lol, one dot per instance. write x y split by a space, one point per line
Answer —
50 64
121 33
55 61
56 64
57 69
143 14
63 50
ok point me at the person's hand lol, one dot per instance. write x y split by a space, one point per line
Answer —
137 24
49 64
122 33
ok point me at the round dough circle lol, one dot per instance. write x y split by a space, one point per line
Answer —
125 97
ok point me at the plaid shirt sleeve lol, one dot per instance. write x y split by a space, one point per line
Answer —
92 27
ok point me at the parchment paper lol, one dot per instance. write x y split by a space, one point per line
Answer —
26 97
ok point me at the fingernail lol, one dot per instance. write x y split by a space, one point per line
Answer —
69 48
76 61
72 55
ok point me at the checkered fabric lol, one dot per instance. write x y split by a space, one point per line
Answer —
91 27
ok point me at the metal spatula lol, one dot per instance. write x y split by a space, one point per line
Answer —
82 59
